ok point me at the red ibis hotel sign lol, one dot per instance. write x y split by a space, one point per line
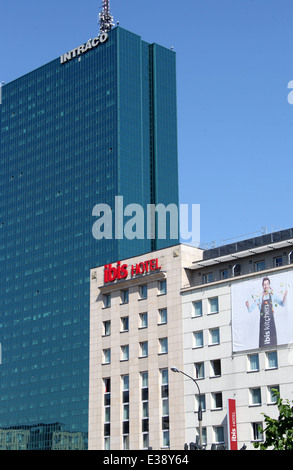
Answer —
232 425
121 271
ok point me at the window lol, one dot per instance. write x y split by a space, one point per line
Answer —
199 370
215 336
204 436
143 317
163 287
125 352
213 305
272 360
278 261
125 296
143 291
107 300
216 367
162 316
106 356
163 342
124 324
202 401
253 362
219 434
107 328
165 407
207 278
272 394
107 413
255 396
236 269
198 339
217 402
143 349
259 265
145 410
197 308
257 434
125 411
224 274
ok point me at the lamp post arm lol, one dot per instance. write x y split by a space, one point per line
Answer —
192 380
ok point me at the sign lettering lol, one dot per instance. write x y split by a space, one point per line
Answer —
111 273
91 44
232 424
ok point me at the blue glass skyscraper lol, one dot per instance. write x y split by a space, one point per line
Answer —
98 122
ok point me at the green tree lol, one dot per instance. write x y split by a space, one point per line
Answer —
278 432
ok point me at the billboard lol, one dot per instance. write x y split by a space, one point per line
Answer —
262 312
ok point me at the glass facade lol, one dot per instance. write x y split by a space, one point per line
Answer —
73 135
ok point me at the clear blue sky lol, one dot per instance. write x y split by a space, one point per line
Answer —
234 63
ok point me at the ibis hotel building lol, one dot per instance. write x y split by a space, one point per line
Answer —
189 345
96 123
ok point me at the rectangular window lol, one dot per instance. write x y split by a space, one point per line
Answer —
165 408
125 352
198 339
236 270
162 316
163 345
145 410
278 261
215 336
143 291
125 296
107 300
224 274
216 368
219 434
213 305
273 390
107 328
253 362
207 278
257 434
124 324
143 317
107 413
255 396
202 401
125 412
217 402
163 287
272 360
106 356
260 265
143 348
197 308
199 370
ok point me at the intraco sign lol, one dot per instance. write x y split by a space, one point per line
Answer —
91 44
111 273
232 425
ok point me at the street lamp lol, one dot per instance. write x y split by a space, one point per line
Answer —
174 369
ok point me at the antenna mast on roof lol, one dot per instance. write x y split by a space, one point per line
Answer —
106 19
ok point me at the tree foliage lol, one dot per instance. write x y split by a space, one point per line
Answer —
278 432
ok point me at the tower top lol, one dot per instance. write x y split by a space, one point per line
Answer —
106 19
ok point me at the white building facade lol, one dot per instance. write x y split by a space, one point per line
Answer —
234 346
223 317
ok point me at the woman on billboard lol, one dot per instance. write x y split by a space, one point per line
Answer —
265 303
